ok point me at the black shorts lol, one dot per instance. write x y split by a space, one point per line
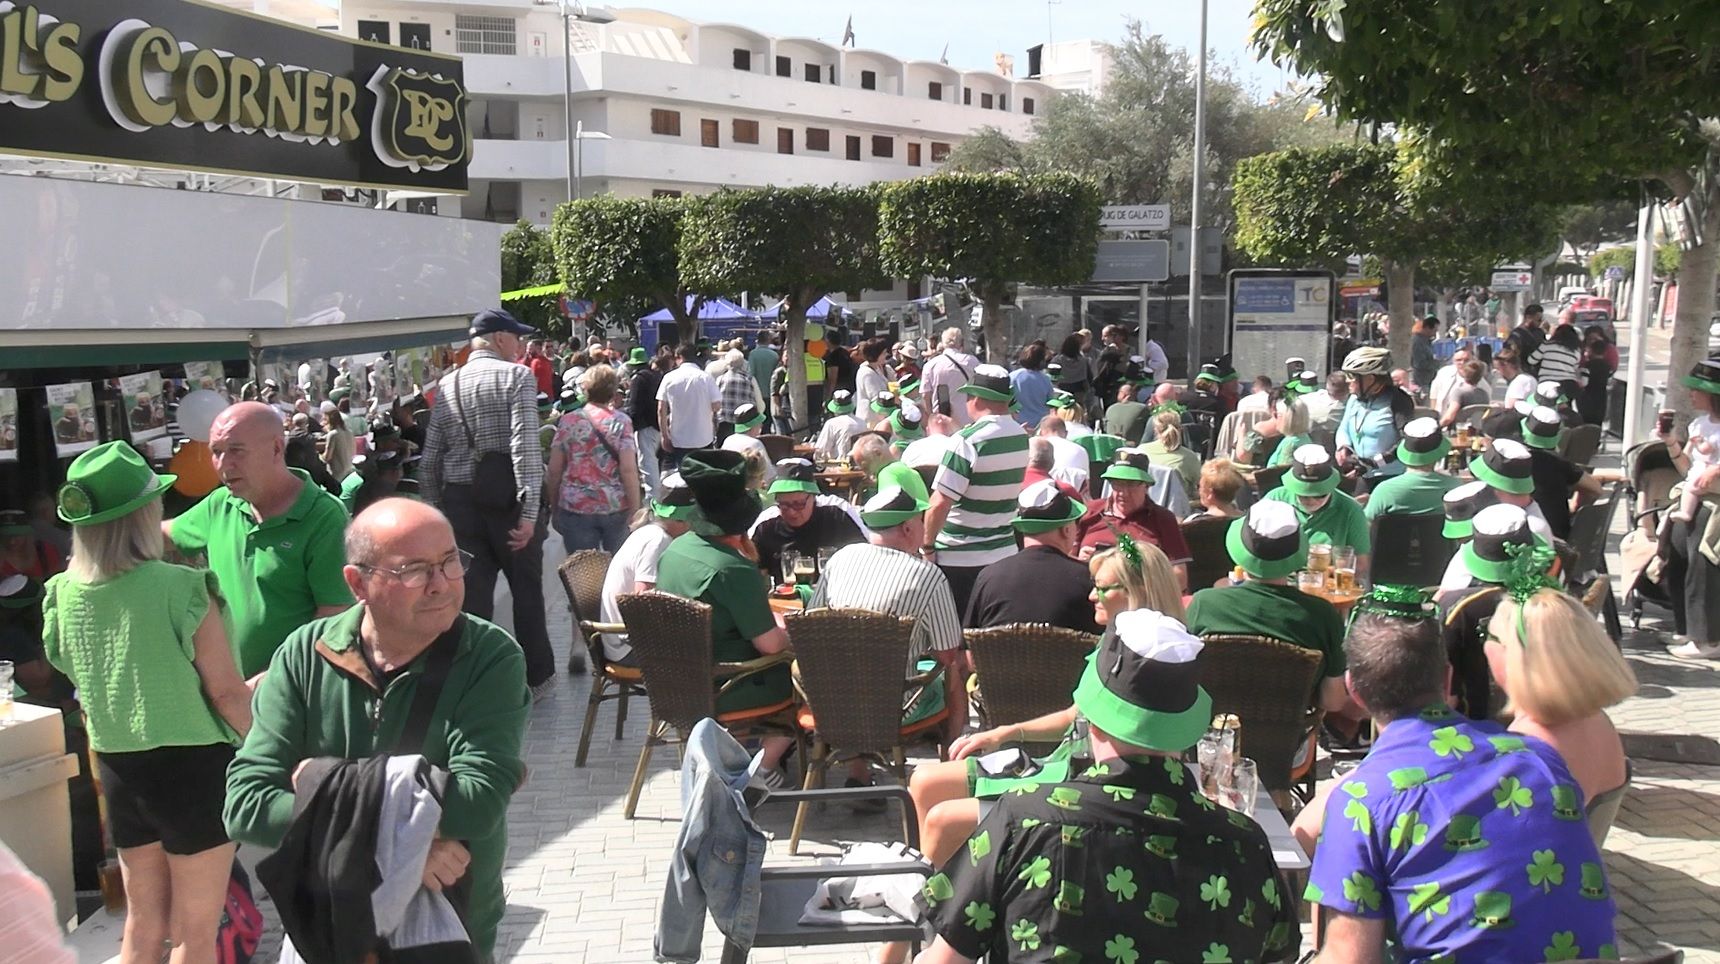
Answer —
171 795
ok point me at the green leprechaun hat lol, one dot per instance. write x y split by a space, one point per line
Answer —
891 507
1130 465
1044 507
1461 506
1705 377
1542 428
1505 465
1423 443
794 475
990 382
1063 401
841 403
1143 685
637 358
1268 541
1312 472
722 504
1501 531
107 482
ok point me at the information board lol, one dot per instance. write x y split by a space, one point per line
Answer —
1277 314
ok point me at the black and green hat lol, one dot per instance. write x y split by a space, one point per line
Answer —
677 500
1423 443
1542 428
1505 465
908 423
747 416
1226 369
1130 465
794 475
1304 382
909 386
637 358
569 400
723 506
1063 401
1705 377
989 382
1461 506
1549 394
1500 530
545 405
1137 373
19 591
841 403
1143 684
1268 541
891 507
1312 472
885 402
1208 373
14 522
1044 507
107 482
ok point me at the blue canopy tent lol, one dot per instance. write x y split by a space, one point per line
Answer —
718 318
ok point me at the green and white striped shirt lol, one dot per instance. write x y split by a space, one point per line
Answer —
982 472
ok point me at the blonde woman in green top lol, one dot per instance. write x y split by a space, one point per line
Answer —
1294 425
143 642
1167 449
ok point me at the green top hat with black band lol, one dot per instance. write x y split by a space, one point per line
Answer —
1063 401
1705 377
1423 443
891 507
1505 465
1044 507
1312 472
19 591
677 500
1208 373
907 423
1498 529
14 522
637 358
1142 686
1461 506
722 504
107 482
990 382
1268 541
795 475
885 402
841 403
1542 428
747 417
1130 465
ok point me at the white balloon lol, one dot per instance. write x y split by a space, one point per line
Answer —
197 413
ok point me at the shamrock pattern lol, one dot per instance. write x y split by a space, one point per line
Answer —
1216 892
1429 901
1119 793
1563 948
1216 953
1356 812
1408 831
979 915
979 845
1513 795
1449 741
1121 950
1038 873
1121 882
1026 934
1545 871
1360 890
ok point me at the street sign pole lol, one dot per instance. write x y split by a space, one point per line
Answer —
1641 296
1194 347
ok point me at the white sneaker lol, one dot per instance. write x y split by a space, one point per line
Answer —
1694 650
771 777
543 690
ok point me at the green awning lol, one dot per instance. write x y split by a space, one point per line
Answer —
538 292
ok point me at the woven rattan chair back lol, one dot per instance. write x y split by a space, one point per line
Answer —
851 664
1580 444
1028 669
777 447
1268 684
671 637
1209 556
1265 480
582 575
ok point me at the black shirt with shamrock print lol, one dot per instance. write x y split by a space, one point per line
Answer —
1125 864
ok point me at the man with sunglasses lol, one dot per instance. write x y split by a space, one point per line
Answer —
343 687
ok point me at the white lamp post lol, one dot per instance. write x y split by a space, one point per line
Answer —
572 10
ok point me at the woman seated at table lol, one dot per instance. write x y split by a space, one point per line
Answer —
1220 484
1168 449
1472 391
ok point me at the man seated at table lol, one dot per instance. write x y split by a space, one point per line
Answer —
1471 592
1070 462
1555 478
1042 583
886 574
1127 861
1508 468
634 566
1127 418
1425 844
802 523
1128 509
1268 545
1327 515
839 430
1421 489
749 422
835 501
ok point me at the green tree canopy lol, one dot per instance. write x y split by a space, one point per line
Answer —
613 249
528 261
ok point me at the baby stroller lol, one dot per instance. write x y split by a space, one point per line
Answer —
1651 476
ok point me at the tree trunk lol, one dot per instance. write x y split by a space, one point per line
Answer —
794 356
996 334
1400 304
1698 271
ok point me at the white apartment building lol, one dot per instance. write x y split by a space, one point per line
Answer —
688 107
1080 65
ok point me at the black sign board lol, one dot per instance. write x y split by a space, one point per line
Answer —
183 85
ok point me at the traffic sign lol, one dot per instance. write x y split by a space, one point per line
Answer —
1135 217
1133 261
1512 281
1615 273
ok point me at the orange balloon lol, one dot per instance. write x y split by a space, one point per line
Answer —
195 466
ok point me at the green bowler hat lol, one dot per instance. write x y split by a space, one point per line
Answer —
1500 530
1143 685
794 475
747 416
1705 377
1312 472
107 482
677 500
1063 401
1461 506
1044 507
1268 541
892 507
1423 443
990 382
637 358
1129 465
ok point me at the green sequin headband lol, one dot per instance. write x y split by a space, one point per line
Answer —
1526 575
1397 602
1130 550
1177 407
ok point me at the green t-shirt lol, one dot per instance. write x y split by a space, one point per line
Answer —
1127 419
1340 522
1287 447
732 585
1266 609
349 487
127 644
1412 493
274 574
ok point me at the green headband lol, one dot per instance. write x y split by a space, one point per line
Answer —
1526 575
1127 546
1398 602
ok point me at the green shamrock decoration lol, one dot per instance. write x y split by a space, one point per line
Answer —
1098 770
1247 915
1269 890
1512 795
938 889
979 916
1447 741
1065 955
1038 873
1405 778
1313 894
1028 823
1563 948
1427 900
1121 882
1121 950
1216 953
1119 794
1545 872
1508 744
978 846
1408 831
1359 889
1215 892
1176 770
1357 813
1356 788
1608 952
1026 934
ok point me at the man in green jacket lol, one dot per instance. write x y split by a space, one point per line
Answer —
343 686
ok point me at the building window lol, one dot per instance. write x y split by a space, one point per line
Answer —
1027 105
940 152
985 101
785 140
666 122
415 36
746 132
883 146
664 192
935 90
813 73
743 59
853 147
967 96
375 31
818 139
868 80
709 133
1002 101
913 154
784 67
484 35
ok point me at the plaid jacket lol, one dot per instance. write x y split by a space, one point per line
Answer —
499 402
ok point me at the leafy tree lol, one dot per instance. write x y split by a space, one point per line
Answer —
993 230
1588 226
1667 259
612 249
801 243
528 261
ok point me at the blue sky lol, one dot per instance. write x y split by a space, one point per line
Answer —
976 29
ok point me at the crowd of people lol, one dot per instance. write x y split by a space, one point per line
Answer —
314 626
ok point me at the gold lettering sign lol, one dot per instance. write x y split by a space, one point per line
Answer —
424 121
37 65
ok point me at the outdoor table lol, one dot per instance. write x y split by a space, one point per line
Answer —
844 482
1344 601
805 450
785 605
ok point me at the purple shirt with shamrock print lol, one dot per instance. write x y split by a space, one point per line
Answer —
1470 841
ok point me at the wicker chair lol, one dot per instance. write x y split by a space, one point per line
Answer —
1027 669
1265 480
672 638
777 447
1579 444
1269 685
582 575
1209 555
849 664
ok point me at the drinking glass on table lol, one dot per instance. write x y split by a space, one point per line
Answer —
790 562
824 554
805 569
1344 564
1319 557
1243 788
1311 581
1209 756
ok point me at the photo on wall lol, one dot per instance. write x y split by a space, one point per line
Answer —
72 410
206 376
8 425
145 411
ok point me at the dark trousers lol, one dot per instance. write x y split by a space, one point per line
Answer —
961 580
1691 582
484 534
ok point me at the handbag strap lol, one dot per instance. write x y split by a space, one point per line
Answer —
613 453
460 412
429 691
